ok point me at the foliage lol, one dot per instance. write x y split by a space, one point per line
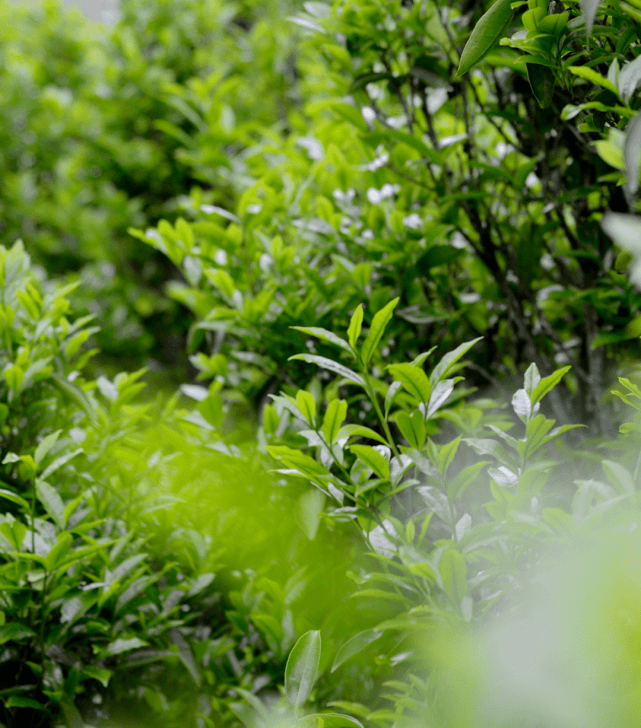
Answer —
92 127
456 192
414 192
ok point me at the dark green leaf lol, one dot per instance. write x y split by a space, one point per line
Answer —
486 32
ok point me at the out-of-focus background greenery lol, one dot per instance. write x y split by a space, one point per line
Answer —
319 339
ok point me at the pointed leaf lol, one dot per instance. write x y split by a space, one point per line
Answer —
302 668
547 384
589 74
360 431
379 323
331 366
333 420
354 645
631 150
324 335
412 428
457 486
184 653
441 370
335 720
355 324
392 391
486 32
14 499
542 83
629 79
51 501
413 379
307 405
59 462
373 459
46 445
589 8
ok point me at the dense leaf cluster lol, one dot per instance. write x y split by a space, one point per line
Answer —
399 244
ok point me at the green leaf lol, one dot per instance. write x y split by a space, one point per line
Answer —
442 369
619 477
302 668
334 417
324 335
185 655
8 495
485 34
76 394
307 405
457 486
120 645
355 324
379 323
354 645
453 572
335 720
360 431
373 459
594 77
589 8
297 460
46 445
629 79
59 462
412 428
19 701
547 384
413 379
631 151
542 83
58 551
331 366
51 501
14 632
211 408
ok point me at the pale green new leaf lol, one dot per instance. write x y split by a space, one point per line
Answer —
354 645
302 668
355 324
46 445
334 417
594 77
413 379
331 366
547 384
373 459
307 405
360 431
51 501
379 323
335 720
324 335
442 369
486 32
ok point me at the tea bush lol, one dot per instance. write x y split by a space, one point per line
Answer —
457 188
411 273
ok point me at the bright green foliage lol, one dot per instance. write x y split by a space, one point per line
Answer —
377 209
